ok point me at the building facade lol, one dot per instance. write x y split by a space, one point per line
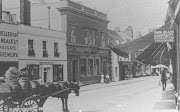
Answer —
42 53
87 44
37 52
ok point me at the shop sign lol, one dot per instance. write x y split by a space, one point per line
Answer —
164 36
8 45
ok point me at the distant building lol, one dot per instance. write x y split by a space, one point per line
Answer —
129 31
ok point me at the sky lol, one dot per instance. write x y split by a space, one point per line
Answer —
142 15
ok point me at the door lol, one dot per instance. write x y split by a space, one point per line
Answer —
74 70
57 73
46 75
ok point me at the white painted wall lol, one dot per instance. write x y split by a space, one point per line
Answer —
38 35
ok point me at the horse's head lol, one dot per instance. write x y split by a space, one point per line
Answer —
75 87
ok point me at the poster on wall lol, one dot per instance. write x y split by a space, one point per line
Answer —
8 42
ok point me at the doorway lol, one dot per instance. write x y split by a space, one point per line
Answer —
46 74
74 70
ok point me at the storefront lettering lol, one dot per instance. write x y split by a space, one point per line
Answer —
8 54
8 47
9 34
9 41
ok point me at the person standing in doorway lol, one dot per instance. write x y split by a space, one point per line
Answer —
163 79
107 78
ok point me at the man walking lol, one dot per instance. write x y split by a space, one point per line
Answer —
163 79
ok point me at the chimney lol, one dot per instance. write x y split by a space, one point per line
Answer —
25 12
1 10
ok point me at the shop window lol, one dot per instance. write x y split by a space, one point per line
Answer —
45 53
73 36
83 66
57 73
56 52
90 66
30 48
96 66
33 72
103 40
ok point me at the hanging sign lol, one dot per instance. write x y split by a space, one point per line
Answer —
164 36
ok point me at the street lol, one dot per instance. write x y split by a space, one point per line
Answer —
137 96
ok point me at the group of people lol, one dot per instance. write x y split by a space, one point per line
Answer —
105 79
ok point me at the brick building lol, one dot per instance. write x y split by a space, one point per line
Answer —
87 42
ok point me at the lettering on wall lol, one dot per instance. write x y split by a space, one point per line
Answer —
8 46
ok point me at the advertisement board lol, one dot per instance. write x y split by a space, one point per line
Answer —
164 36
8 42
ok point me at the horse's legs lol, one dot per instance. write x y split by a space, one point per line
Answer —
63 104
66 104
41 103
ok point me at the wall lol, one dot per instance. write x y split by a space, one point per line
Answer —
38 35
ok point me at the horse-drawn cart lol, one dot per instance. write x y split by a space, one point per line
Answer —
23 95
11 99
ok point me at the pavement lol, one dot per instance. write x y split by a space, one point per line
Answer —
165 102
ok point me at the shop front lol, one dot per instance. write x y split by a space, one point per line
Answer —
87 64
126 70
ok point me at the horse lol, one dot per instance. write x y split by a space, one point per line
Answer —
58 90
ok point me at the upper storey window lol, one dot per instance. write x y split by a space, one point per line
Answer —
103 40
90 38
73 34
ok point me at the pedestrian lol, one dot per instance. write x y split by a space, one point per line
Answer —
102 78
163 79
107 78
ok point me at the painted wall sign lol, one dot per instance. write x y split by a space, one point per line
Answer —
164 36
8 43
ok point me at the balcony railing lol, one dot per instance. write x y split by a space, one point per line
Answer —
85 9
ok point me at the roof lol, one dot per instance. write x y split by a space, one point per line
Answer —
142 42
114 35
137 44
124 36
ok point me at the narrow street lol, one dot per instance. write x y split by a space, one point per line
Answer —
137 96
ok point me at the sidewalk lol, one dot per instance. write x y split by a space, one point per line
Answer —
167 102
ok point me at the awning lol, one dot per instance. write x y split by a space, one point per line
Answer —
120 53
156 53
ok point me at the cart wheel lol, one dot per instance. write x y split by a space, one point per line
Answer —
15 106
4 106
30 105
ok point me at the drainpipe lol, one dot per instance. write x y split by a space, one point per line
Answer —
49 21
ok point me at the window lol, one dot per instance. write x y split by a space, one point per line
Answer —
30 48
45 53
90 66
83 66
73 36
103 40
56 52
12 18
86 35
92 38
57 73
116 69
96 66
